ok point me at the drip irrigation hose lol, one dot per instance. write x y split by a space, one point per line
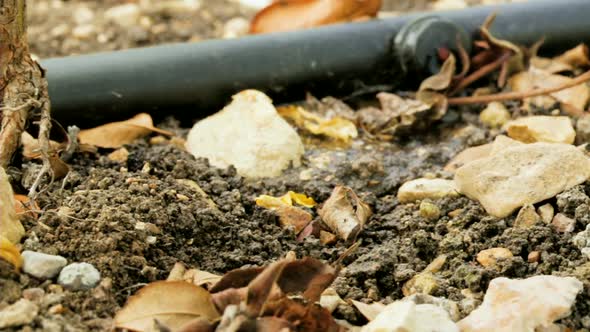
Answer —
192 80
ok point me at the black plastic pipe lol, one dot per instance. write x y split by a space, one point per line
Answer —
195 79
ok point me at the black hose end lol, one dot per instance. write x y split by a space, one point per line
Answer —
417 43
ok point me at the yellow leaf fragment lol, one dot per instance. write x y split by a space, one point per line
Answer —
172 303
287 199
10 226
10 253
337 127
116 134
576 57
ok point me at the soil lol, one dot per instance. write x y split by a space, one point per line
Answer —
133 221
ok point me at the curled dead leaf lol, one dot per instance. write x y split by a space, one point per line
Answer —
441 80
370 311
10 253
116 134
10 226
285 15
288 214
576 57
577 97
172 303
345 213
336 127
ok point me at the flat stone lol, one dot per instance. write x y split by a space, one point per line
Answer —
402 316
491 257
79 276
523 305
563 224
20 313
468 155
42 266
426 188
523 174
249 134
527 217
542 128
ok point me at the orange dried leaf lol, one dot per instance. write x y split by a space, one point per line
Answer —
10 253
23 205
441 80
171 303
286 15
116 134
336 127
10 226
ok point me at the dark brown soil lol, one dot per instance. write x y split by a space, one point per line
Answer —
134 221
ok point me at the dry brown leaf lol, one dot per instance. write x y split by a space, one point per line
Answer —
285 15
550 66
23 205
172 303
516 62
10 226
116 134
289 215
307 275
442 80
31 149
202 278
10 253
345 213
576 96
330 299
576 57
370 311
336 127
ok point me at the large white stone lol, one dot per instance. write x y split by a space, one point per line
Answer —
404 316
523 174
42 266
249 134
542 128
525 305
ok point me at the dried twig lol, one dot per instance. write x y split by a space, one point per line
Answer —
481 72
585 77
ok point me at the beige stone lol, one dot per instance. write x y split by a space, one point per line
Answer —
468 155
495 115
523 305
20 313
249 134
546 212
534 257
422 188
523 174
563 224
10 226
491 257
527 217
404 316
429 211
541 128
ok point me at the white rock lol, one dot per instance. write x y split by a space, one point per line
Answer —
20 313
236 27
249 134
42 266
126 15
523 174
582 241
523 305
78 276
404 316
426 188
541 128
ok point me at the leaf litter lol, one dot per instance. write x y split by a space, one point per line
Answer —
145 222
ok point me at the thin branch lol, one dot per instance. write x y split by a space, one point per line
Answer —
585 77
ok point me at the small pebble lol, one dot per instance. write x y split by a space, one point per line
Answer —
429 211
42 266
563 224
79 276
494 115
534 257
546 212
33 294
20 313
526 217
490 257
